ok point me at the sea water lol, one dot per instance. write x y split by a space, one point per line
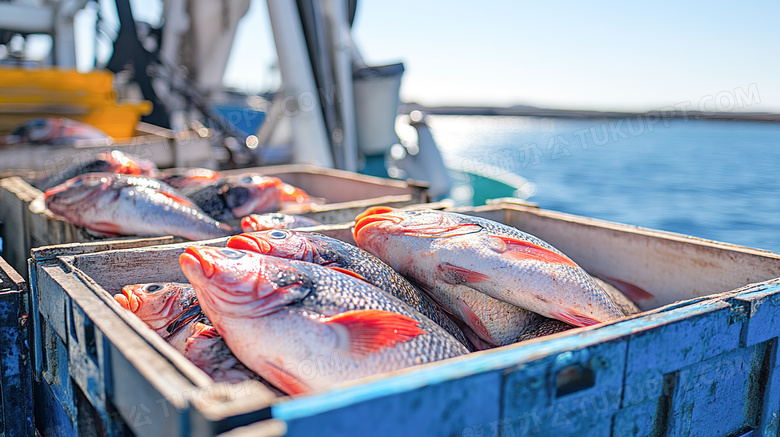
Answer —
718 180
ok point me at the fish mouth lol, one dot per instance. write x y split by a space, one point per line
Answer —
290 193
128 299
373 215
249 223
249 243
53 191
192 257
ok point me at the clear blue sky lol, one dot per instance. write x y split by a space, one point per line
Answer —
563 54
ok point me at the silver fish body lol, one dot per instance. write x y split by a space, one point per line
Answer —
131 205
330 252
441 249
305 327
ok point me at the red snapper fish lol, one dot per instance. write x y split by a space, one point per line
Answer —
172 311
239 197
444 250
275 220
333 253
107 162
189 180
305 327
131 205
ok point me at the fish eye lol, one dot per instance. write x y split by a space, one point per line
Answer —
232 254
246 180
154 287
78 182
278 234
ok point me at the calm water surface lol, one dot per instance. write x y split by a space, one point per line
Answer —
712 179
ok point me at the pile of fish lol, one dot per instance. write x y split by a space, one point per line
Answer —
422 286
117 194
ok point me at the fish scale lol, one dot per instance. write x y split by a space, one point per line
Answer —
323 250
280 331
441 249
334 293
131 205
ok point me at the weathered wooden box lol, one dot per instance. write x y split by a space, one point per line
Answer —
161 146
701 360
16 408
26 223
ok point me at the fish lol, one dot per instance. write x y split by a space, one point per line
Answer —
336 254
442 249
543 326
626 305
171 309
189 180
56 131
241 196
106 162
304 327
167 308
131 205
273 220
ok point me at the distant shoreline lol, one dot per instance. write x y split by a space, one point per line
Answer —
571 113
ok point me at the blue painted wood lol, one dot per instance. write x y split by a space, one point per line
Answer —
55 373
763 304
464 406
16 413
633 420
52 304
574 393
719 396
669 343
50 417
85 356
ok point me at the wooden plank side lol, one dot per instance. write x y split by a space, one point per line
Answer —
338 186
166 380
16 406
164 150
15 198
212 407
456 407
663 349
573 393
719 396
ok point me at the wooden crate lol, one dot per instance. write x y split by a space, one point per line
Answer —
161 146
701 360
28 224
16 407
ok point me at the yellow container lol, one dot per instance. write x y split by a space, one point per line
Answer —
85 97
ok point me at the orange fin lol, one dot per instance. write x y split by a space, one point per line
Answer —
631 291
575 319
458 275
202 341
372 330
524 250
475 323
348 272
206 332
